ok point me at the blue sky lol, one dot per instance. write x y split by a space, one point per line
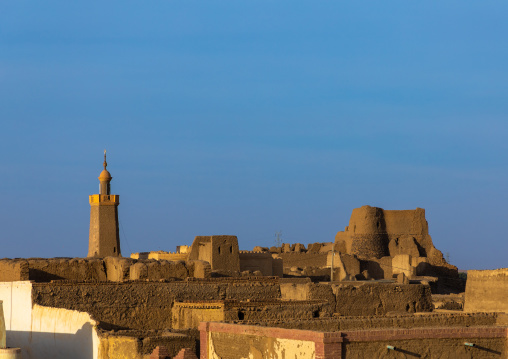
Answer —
250 117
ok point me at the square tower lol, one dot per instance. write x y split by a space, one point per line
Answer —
104 238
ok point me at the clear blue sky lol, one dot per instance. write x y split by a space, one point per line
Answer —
250 117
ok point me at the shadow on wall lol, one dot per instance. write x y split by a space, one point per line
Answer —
485 349
42 345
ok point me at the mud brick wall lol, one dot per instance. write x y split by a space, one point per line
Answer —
486 291
364 298
303 260
76 269
406 321
276 310
115 269
255 290
145 305
379 299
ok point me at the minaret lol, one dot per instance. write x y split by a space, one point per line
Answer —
104 237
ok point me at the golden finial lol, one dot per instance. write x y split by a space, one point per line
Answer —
105 163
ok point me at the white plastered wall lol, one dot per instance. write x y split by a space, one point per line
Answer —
44 332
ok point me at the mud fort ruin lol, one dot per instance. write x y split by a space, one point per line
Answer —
379 289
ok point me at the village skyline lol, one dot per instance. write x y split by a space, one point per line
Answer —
241 119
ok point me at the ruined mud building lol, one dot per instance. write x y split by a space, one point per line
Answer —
377 245
219 302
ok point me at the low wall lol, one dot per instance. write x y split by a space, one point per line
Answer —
113 269
229 341
407 321
486 291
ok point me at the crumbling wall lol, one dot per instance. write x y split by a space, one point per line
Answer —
402 321
113 269
346 266
143 305
161 269
75 269
146 305
361 298
374 233
486 291
118 268
115 305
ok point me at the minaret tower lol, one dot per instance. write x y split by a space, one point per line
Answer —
104 237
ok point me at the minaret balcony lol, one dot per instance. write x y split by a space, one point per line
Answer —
105 199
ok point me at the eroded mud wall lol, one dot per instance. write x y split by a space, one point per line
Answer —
344 323
114 269
146 305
